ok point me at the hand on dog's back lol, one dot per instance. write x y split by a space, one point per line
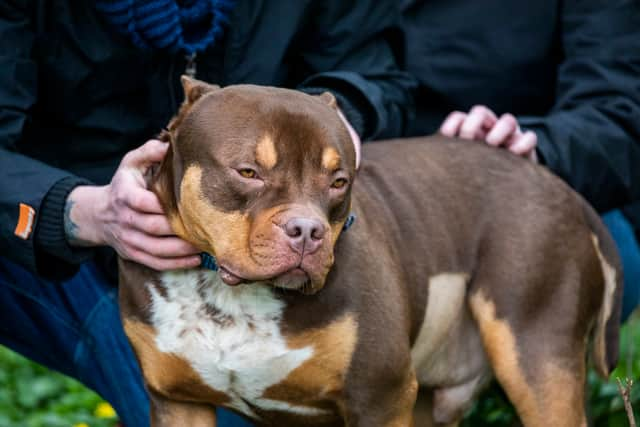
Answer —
127 216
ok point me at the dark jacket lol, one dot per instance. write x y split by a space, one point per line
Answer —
569 70
75 96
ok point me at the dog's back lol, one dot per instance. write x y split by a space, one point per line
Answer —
505 265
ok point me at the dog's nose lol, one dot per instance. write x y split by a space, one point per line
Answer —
305 234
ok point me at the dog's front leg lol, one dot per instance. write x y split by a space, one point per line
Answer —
172 413
389 406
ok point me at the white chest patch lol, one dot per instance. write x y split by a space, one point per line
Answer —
230 336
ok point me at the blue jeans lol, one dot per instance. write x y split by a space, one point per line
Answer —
629 250
74 327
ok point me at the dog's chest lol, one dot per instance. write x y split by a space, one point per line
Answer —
229 335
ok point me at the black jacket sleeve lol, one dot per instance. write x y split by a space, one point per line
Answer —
591 138
353 55
32 194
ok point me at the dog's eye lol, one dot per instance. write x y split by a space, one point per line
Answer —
339 183
248 173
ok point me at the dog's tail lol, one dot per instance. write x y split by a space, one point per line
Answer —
605 343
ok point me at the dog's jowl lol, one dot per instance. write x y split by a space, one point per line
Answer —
465 264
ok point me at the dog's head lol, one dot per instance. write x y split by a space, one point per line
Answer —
261 178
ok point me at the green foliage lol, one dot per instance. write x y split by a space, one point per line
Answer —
33 396
605 406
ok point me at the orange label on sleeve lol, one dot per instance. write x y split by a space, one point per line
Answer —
25 221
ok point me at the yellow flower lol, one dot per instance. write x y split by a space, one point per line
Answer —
104 410
81 425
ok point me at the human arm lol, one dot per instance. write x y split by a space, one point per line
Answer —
38 244
591 135
353 55
128 217
34 195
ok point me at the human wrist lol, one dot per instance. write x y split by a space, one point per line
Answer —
81 216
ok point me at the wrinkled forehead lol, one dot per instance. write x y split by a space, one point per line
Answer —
273 126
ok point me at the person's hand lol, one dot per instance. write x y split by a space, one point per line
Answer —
355 138
127 216
482 124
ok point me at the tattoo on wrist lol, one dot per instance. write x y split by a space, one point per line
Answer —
70 227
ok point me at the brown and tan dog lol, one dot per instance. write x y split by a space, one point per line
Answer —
465 263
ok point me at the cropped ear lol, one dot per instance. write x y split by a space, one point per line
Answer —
194 89
163 179
329 99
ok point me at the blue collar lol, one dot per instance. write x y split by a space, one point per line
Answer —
209 261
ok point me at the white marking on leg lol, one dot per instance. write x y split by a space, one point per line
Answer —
448 355
610 284
444 307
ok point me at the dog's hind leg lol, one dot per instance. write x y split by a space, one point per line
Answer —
540 366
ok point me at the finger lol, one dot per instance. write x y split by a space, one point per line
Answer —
162 264
355 138
162 247
142 200
452 123
503 130
154 224
490 116
153 151
524 144
479 119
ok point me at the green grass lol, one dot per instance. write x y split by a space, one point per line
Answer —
32 396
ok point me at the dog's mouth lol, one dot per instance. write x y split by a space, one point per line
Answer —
230 278
295 278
